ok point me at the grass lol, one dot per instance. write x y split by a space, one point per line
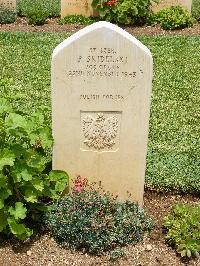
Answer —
174 147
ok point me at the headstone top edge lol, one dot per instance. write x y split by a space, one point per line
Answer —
95 26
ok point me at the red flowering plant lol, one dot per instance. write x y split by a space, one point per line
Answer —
80 183
106 8
125 12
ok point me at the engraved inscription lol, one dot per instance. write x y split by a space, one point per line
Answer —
101 62
10 4
100 132
114 97
77 3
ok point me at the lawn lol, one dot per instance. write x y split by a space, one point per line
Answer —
174 147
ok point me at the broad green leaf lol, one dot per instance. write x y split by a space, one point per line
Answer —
5 106
37 161
5 193
7 157
37 119
19 230
19 212
38 183
3 220
19 150
1 203
31 195
3 181
61 178
22 173
41 138
14 121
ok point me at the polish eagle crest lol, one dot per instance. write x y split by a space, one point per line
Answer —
100 132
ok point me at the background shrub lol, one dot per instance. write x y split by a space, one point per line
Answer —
172 18
51 7
36 16
183 229
196 9
86 219
7 16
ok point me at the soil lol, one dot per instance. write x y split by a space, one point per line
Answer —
152 251
52 26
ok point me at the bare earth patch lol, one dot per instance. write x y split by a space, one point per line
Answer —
52 26
153 251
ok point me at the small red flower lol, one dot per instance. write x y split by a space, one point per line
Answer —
111 3
80 183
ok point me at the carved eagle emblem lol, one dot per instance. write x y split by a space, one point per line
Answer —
100 132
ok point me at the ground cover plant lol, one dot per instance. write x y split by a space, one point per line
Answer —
183 229
94 221
25 176
7 16
173 149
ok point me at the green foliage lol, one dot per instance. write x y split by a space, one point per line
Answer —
76 19
196 9
116 254
123 11
183 229
25 149
127 12
36 17
7 16
86 219
51 8
106 9
172 18
173 146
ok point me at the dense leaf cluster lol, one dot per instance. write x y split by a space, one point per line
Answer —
172 18
25 177
183 229
126 12
96 222
196 9
7 16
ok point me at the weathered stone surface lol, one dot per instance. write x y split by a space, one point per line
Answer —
76 7
186 4
8 4
101 87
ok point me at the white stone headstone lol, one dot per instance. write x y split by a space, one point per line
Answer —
8 4
186 4
76 7
101 88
